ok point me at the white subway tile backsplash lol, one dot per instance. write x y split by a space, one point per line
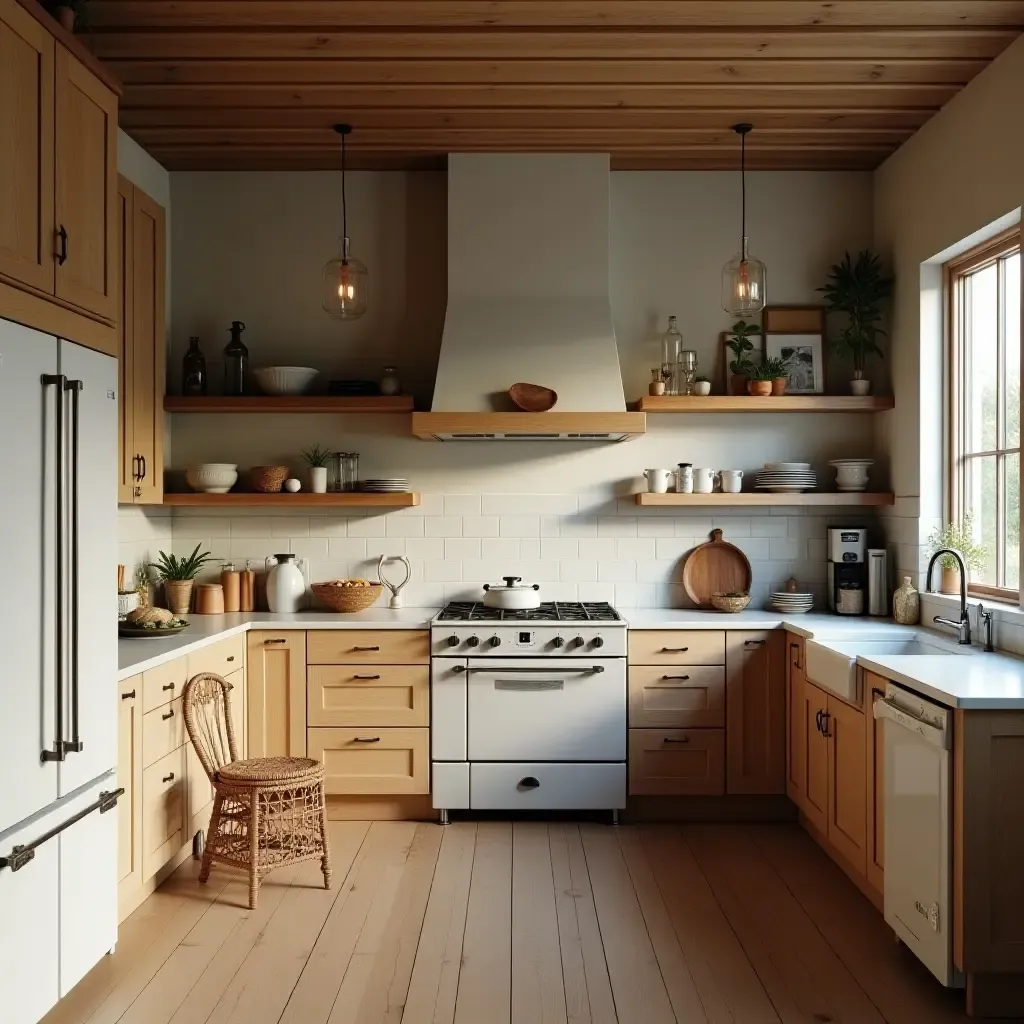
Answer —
519 526
634 548
501 549
458 549
462 505
442 572
782 549
673 548
659 571
598 548
559 547
404 526
427 548
368 526
313 548
616 572
289 526
578 570
347 548
579 526
753 547
655 527
616 526
480 526
550 526
596 592
529 548
766 526
442 526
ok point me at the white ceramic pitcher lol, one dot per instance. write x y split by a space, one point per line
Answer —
286 586
658 480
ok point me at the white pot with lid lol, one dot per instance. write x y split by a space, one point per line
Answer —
513 596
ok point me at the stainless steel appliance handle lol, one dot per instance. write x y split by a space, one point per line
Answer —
547 670
529 684
57 753
886 708
75 746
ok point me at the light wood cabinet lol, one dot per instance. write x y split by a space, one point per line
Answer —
164 806
796 722
276 684
755 673
676 762
874 762
356 695
844 728
361 647
163 684
129 778
373 761
676 647
223 658
676 697
163 730
141 239
814 704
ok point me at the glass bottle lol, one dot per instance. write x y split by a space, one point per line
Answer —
389 382
671 352
193 370
236 361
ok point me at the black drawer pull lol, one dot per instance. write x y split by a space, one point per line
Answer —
825 716
754 643
62 255
130 695
366 739
278 640
675 677
169 686
170 714
529 783
674 650
375 648
676 739
367 677
168 778
231 657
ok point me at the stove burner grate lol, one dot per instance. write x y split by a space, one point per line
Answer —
549 611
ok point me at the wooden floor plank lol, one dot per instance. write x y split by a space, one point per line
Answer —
435 977
485 980
816 981
538 992
682 991
729 988
637 984
321 978
574 972
901 987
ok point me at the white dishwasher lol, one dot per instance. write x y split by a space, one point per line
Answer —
918 895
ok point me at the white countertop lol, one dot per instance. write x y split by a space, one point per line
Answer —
807 626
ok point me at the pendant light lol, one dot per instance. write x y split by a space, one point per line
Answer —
743 277
344 289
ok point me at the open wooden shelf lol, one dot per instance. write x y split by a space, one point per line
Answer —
750 403
291 403
303 499
848 499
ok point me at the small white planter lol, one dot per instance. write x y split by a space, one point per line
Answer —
318 479
860 387
702 387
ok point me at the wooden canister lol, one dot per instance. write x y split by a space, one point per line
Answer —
230 580
209 599
247 589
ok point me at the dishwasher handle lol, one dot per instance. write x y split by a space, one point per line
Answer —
885 708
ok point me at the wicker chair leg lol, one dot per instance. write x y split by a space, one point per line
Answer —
325 862
254 850
211 835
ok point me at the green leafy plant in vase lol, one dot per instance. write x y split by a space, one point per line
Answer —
857 290
959 537
178 576
776 372
317 458
741 366
762 379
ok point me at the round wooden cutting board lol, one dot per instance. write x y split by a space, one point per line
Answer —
715 567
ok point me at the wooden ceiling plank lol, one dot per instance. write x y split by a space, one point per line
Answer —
463 14
666 44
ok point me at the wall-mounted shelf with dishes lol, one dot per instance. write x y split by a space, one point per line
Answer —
291 403
283 500
748 498
777 403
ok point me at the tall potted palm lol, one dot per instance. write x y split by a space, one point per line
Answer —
858 289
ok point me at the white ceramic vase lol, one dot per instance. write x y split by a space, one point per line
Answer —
702 387
318 479
859 386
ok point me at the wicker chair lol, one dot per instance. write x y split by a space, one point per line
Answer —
267 811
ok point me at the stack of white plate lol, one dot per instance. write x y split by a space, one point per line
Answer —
790 603
786 477
388 485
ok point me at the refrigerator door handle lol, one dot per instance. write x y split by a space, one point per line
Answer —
60 382
74 745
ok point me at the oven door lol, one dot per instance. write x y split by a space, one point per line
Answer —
547 709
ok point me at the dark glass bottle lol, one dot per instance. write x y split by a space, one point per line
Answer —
236 361
193 370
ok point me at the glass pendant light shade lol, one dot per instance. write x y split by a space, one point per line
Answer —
345 277
744 276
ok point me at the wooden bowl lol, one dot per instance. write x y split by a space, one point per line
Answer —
267 479
346 599
730 602
532 397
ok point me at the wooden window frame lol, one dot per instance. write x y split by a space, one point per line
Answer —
981 256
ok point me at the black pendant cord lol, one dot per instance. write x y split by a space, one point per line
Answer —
743 183
343 130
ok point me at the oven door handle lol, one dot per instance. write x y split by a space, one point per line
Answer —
547 670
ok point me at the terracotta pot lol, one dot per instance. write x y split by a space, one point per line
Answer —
779 385
179 595
950 581
738 384
656 387
66 18
759 388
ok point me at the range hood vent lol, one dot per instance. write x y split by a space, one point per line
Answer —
528 300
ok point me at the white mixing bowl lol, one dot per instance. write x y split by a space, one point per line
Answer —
212 477
284 380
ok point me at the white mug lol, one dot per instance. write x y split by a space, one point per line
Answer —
732 480
703 480
658 480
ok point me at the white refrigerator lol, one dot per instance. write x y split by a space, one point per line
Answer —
58 667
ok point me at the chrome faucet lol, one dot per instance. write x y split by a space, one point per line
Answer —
964 625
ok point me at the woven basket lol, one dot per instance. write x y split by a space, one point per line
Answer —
346 599
728 603
267 479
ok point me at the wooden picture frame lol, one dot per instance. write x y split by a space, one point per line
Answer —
725 358
805 355
793 320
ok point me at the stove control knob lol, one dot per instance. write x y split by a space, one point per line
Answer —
578 641
495 641
597 642
558 642
453 641
473 641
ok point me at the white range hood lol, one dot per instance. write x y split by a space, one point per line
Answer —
528 302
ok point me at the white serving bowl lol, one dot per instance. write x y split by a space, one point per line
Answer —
284 380
212 477
852 475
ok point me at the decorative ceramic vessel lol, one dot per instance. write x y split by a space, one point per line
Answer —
949 582
656 387
779 385
702 387
906 604
292 486
759 388
318 479
738 384
285 380
860 387
179 595
212 477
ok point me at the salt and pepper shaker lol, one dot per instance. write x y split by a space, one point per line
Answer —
247 589
230 580
395 588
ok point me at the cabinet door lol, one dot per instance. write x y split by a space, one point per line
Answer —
147 341
26 149
129 777
677 697
874 760
276 681
815 808
373 761
796 723
676 762
85 176
847 811
755 705
164 805
127 486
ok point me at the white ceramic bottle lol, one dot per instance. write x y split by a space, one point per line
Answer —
285 583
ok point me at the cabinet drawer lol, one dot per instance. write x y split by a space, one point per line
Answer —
359 646
676 647
163 810
390 695
222 657
200 792
676 762
542 786
679 697
372 760
161 685
163 730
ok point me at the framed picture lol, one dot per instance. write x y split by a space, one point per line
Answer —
804 356
793 320
727 357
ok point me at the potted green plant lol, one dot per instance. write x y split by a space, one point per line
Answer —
761 380
178 576
960 537
779 375
317 458
741 346
71 14
857 290
701 386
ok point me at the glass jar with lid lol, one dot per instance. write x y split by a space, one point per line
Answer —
343 472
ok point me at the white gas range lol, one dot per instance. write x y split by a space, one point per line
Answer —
528 708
